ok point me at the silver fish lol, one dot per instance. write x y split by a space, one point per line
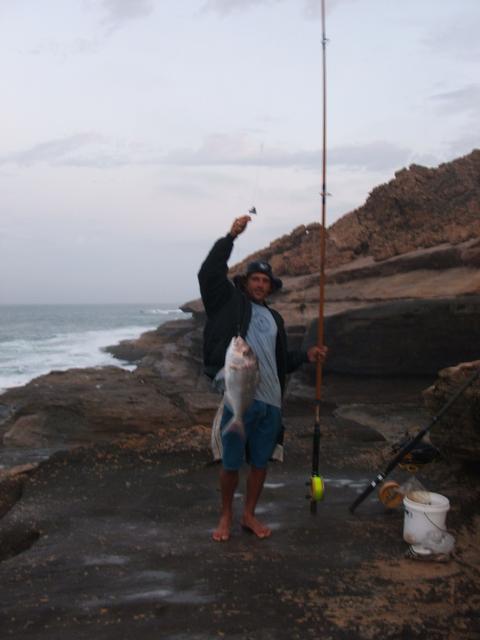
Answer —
241 380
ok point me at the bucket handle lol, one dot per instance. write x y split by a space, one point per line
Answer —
434 523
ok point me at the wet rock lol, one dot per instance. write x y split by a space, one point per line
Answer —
5 413
457 433
17 470
10 492
202 406
156 343
16 540
125 551
408 337
390 420
81 406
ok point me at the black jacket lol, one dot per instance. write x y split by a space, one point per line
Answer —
229 311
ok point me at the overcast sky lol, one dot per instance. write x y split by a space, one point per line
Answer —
134 131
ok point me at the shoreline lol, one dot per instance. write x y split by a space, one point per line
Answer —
73 347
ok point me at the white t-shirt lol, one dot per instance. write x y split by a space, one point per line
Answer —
262 337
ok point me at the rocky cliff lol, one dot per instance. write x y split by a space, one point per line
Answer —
420 208
415 238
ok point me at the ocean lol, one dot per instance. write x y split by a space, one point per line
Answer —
36 339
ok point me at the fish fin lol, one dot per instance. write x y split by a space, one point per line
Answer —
218 383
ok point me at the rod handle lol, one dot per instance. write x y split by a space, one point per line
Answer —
366 492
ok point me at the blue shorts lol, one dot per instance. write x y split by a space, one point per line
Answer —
263 423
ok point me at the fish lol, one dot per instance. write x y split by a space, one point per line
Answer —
241 376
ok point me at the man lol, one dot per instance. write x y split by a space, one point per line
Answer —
241 309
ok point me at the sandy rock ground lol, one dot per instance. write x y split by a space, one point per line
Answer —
113 541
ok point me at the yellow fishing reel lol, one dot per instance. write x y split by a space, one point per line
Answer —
317 488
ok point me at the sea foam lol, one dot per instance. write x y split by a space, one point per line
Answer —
46 346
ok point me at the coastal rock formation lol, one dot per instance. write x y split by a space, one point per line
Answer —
81 406
167 395
408 337
416 238
457 434
170 358
402 298
420 208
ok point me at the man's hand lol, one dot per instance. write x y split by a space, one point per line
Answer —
239 225
317 354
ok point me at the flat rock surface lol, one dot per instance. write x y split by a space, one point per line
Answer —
113 542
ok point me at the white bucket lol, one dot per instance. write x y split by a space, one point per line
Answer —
420 519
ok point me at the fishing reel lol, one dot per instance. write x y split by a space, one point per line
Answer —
389 493
317 489
423 453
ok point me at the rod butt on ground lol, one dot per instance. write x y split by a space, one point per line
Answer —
364 494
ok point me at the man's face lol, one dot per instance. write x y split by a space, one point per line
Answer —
258 287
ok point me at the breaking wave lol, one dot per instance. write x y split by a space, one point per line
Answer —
35 340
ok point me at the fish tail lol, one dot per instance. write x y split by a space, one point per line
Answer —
235 425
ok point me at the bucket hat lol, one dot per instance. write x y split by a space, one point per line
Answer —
259 266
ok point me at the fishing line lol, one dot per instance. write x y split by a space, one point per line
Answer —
253 209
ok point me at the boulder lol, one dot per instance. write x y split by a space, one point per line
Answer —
158 342
409 337
10 493
80 406
457 433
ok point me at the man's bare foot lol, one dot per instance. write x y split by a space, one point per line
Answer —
255 526
222 532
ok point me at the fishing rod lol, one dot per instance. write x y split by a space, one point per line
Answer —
413 442
316 481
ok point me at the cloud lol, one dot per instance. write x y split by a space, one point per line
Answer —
116 13
372 156
311 8
464 100
64 50
87 149
119 12
459 38
239 150
52 151
464 144
217 150
225 7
